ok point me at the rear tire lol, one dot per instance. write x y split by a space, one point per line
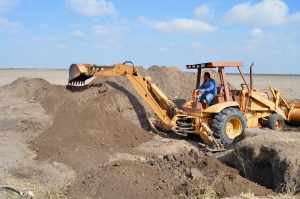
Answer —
229 125
276 122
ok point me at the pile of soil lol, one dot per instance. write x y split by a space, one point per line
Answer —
199 174
175 83
188 174
100 132
92 123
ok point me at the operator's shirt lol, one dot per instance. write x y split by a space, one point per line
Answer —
209 87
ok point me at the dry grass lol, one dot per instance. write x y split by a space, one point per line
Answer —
292 184
39 190
243 163
278 196
203 188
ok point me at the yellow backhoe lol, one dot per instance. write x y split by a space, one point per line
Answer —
222 122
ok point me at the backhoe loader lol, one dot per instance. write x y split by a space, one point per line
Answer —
221 123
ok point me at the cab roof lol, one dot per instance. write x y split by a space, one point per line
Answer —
214 65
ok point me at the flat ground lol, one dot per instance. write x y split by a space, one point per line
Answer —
286 83
95 141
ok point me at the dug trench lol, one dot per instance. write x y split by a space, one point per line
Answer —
94 142
268 158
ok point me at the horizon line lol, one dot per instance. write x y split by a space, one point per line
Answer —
230 73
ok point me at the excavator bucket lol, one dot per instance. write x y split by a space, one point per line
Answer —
78 73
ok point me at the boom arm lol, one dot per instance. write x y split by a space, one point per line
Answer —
164 108
177 120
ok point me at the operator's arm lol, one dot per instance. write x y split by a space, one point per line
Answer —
201 87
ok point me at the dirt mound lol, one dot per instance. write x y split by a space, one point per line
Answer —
88 124
23 119
175 83
200 175
124 179
270 159
189 174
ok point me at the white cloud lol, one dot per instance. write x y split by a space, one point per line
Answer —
92 8
8 5
113 29
8 26
295 17
100 30
266 12
78 33
179 25
256 33
203 12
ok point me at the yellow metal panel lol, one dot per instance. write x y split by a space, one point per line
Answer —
262 101
141 86
219 107
252 121
294 116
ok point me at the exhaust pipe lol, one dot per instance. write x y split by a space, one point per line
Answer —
251 76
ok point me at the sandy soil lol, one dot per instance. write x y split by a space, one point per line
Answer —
59 77
286 83
94 141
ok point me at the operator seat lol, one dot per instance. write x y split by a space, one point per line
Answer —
220 98
220 95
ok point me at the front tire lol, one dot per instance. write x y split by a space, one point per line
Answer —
276 122
229 125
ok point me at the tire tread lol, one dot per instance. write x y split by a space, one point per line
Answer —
220 119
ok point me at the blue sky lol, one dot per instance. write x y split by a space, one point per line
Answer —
54 34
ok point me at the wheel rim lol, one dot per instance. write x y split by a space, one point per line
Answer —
233 128
278 125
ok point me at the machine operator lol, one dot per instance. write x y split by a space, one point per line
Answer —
208 90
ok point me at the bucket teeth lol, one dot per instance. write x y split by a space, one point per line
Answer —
76 83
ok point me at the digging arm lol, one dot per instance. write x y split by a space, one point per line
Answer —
164 108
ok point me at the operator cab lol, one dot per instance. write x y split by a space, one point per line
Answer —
224 93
